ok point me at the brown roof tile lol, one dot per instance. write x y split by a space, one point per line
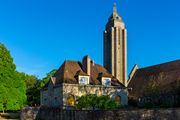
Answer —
163 74
80 72
68 71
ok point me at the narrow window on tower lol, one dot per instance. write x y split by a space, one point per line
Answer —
123 34
119 30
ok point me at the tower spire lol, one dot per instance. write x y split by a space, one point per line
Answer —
114 8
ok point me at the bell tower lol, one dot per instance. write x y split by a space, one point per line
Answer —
115 47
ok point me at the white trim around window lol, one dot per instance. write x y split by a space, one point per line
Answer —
83 80
106 81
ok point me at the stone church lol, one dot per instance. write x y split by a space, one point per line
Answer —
76 78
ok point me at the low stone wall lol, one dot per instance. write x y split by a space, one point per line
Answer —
30 113
4 116
124 114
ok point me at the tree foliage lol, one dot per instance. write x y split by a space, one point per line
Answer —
92 101
17 88
32 91
48 76
34 85
12 87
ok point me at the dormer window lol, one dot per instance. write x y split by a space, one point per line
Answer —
83 80
106 81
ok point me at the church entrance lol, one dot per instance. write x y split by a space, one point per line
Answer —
70 101
118 99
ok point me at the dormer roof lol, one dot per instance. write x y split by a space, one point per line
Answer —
69 70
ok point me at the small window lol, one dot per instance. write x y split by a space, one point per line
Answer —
106 81
83 80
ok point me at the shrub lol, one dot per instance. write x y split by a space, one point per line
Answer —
92 101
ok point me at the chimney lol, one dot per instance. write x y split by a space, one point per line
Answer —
92 62
86 63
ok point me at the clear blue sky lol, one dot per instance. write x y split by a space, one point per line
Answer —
41 34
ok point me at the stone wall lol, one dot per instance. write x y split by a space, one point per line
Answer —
5 116
51 96
57 97
78 90
124 114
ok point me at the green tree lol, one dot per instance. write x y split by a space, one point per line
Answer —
32 91
30 80
48 76
12 87
105 102
3 98
34 85
87 101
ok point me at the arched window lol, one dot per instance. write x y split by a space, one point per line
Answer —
118 99
70 101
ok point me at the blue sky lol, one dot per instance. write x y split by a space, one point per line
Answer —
41 34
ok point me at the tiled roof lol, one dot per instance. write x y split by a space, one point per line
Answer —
80 72
163 74
69 70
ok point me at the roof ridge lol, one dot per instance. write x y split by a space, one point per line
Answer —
64 65
156 65
71 61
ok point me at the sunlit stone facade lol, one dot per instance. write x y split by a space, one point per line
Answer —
115 47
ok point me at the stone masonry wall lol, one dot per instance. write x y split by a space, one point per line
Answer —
79 90
52 97
56 97
126 114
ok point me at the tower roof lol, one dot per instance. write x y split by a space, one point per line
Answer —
115 15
